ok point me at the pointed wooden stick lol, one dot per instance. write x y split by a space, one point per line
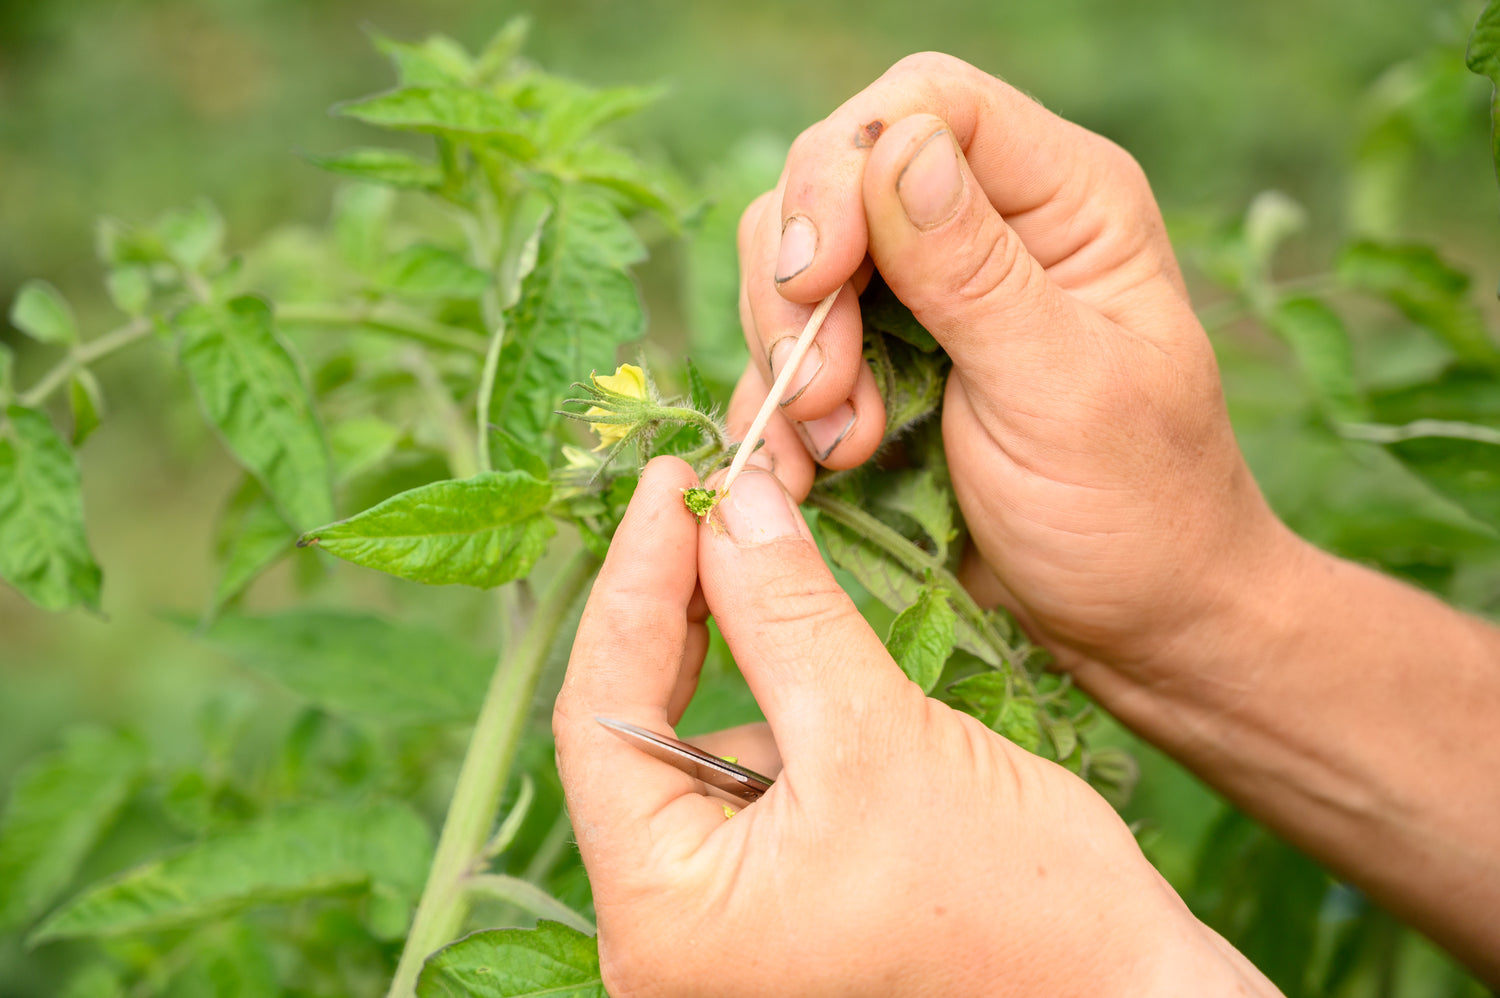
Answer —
773 397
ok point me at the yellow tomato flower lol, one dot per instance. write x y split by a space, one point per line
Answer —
628 380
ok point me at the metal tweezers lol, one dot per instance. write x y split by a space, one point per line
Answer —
721 774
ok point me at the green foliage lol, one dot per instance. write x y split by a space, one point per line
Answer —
281 857
551 959
403 366
59 806
481 531
43 550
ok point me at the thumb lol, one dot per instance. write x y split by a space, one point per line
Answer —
821 675
965 272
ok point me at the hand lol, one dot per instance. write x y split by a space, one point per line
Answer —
1085 427
904 848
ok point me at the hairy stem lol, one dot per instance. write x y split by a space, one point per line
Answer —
919 563
487 763
82 356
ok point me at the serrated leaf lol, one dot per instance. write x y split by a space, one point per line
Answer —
624 174
577 306
480 531
41 312
921 637
283 856
1324 355
116 243
252 390
388 167
989 697
922 496
192 235
44 552
356 665
129 288
59 806
452 111
1427 290
501 49
551 959
86 400
699 396
890 582
571 112
436 61
425 271
1483 57
258 537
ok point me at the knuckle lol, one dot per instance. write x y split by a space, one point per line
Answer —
931 66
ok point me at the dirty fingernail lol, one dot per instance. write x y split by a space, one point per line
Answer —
823 435
757 509
812 363
930 185
799 242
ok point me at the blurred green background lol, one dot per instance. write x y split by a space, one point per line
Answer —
1362 112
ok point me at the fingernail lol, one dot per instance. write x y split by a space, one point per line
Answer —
823 435
812 363
931 183
757 509
799 241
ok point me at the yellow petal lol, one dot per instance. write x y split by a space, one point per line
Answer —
627 380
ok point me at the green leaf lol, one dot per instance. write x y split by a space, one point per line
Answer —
1271 219
921 495
437 61
357 665
883 312
59 806
480 531
989 697
571 111
501 50
129 288
44 552
86 400
192 235
1484 58
921 637
424 271
252 389
94 980
283 856
1427 290
1321 345
256 537
360 444
576 307
890 582
389 167
451 111
551 959
699 396
618 171
41 312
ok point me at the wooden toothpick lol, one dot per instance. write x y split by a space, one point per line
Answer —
773 397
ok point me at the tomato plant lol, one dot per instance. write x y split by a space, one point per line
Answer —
404 391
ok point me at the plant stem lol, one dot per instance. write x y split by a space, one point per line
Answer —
385 319
487 763
919 563
487 395
82 356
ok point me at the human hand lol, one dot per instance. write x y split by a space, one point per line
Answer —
904 848
1087 437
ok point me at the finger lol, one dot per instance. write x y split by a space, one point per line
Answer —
783 453
750 745
694 649
967 276
1077 202
832 401
819 672
626 657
